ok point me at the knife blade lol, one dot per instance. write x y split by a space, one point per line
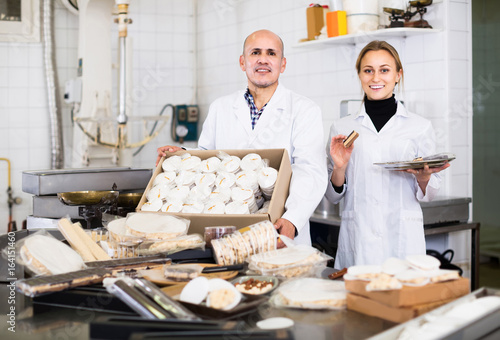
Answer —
217 269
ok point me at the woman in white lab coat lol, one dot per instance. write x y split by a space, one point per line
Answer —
381 217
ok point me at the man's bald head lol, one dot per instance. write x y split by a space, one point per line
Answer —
257 34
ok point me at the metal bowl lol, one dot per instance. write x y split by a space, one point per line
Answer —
273 279
129 200
88 197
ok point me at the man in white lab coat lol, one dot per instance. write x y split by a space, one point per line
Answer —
267 115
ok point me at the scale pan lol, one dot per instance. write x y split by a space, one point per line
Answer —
88 197
129 200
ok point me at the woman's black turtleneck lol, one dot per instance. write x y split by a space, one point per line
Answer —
380 111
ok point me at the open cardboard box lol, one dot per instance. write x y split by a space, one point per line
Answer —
412 296
370 307
278 159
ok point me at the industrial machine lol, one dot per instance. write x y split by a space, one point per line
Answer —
83 194
102 138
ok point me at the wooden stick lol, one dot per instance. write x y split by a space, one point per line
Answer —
94 248
66 228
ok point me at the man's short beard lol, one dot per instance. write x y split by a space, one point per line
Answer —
263 86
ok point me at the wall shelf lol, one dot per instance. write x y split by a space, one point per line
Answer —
366 37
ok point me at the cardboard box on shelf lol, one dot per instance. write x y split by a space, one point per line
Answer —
394 314
315 21
412 296
278 159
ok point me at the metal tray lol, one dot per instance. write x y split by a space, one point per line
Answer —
433 161
51 182
246 306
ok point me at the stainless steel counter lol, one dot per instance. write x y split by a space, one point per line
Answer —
443 215
438 211
32 322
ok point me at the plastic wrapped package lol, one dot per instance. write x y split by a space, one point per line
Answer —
237 243
383 282
118 250
237 247
163 178
118 233
156 226
217 247
251 162
153 206
43 254
172 163
267 177
193 241
442 275
98 234
300 260
229 256
252 240
225 179
228 163
120 244
189 162
182 272
310 293
213 233
210 165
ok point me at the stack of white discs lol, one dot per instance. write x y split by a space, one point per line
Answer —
189 162
210 165
248 180
172 206
237 207
225 180
218 185
267 179
246 196
214 207
251 162
230 164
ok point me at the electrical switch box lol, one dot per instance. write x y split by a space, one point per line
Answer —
73 91
185 123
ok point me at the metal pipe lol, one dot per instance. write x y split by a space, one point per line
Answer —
10 200
8 170
9 194
57 150
123 21
122 117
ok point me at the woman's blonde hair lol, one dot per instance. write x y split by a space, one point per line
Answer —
377 45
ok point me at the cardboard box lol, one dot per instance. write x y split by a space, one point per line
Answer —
278 159
315 21
412 296
395 314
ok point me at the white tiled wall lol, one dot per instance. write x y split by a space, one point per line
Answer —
167 33
163 39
